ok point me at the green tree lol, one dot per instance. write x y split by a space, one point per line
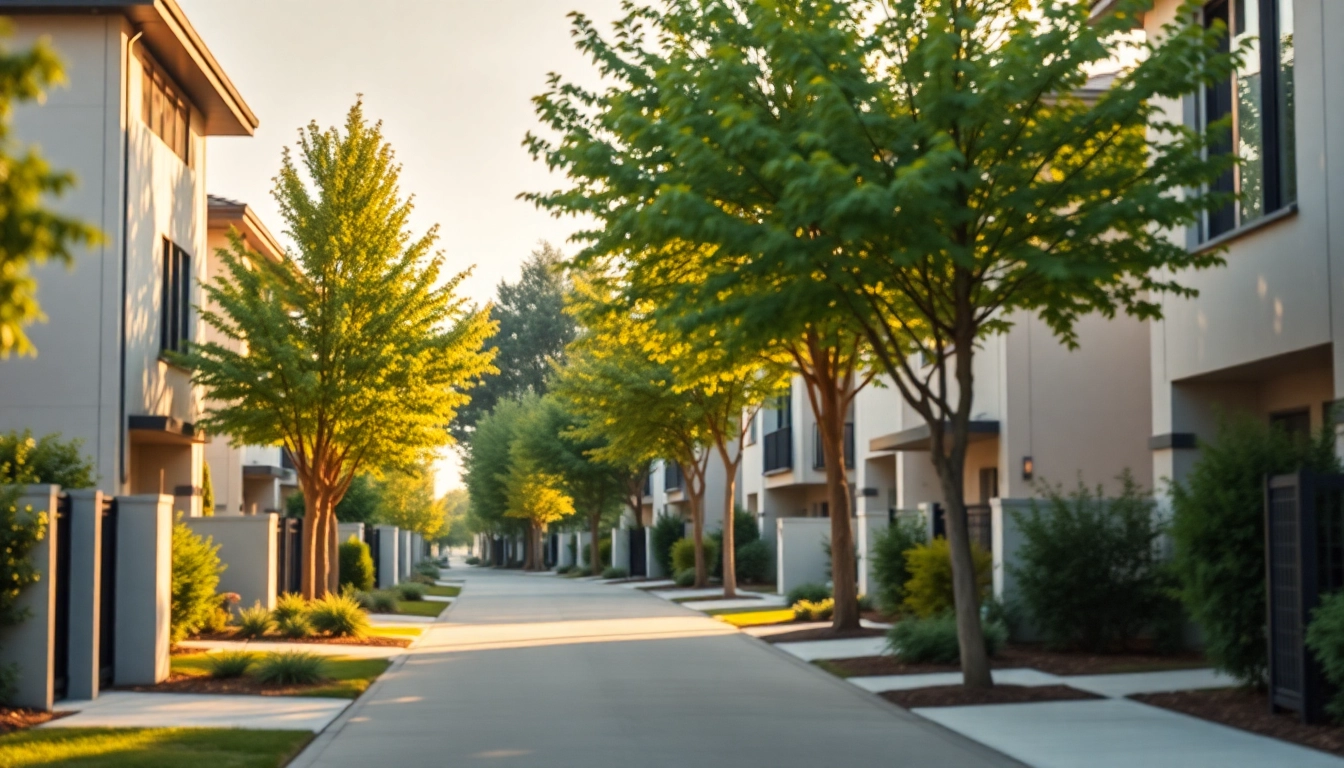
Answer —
485 467
406 500
30 233
922 172
539 499
358 350
532 331
195 576
358 505
456 509
207 491
25 460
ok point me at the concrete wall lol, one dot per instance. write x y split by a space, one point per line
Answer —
144 576
86 563
403 554
652 567
345 530
868 525
799 557
620 548
389 557
30 646
247 548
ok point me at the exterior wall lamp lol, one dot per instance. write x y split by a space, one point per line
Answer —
1028 467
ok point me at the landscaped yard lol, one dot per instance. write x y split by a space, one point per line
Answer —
430 608
344 677
151 747
441 591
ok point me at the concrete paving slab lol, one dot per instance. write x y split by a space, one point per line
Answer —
398 620
714 605
439 598
126 709
880 683
779 629
1119 686
1117 733
672 594
649 584
323 649
836 649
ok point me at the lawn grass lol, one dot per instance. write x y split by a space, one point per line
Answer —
757 618
346 676
428 608
150 747
439 591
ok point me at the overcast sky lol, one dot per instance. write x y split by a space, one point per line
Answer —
451 80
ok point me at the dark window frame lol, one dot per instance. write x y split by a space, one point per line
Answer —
174 298
164 108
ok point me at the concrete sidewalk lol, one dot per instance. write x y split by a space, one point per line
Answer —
127 709
561 672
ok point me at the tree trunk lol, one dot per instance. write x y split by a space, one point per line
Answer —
729 535
696 501
333 551
831 425
595 550
318 575
970 634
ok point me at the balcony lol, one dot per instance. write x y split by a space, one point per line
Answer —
819 456
672 477
778 450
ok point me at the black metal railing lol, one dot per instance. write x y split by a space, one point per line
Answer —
819 455
60 530
778 450
648 484
673 478
107 595
289 555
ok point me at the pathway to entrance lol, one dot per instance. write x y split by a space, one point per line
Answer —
533 670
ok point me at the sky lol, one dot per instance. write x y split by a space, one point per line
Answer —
452 81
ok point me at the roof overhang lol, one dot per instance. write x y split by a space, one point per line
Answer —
164 429
919 439
222 214
176 46
1102 7
266 471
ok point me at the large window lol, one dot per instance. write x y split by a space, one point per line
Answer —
164 111
175 300
1258 102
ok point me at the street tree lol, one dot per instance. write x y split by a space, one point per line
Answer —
356 351
933 170
538 498
485 470
406 499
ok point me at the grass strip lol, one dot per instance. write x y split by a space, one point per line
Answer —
346 676
428 608
439 591
151 747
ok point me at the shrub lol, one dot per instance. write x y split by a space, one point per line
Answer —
811 592
287 606
289 668
411 591
683 554
20 531
603 551
382 601
227 665
420 578
685 578
473 560
25 460
753 562
295 627
338 616
615 573
865 603
745 531
1218 535
928 593
1325 638
1088 572
195 576
356 565
933 640
563 569
888 561
427 568
667 530
254 622
808 610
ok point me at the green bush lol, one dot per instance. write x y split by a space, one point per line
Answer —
865 603
226 665
745 532
295 627
561 570
287 606
1218 534
811 592
603 551
615 573
933 640
928 593
356 565
20 531
289 668
338 616
473 560
809 610
411 591
254 622
685 578
382 601
667 530
1088 572
428 568
25 460
683 554
1325 638
195 577
753 562
888 561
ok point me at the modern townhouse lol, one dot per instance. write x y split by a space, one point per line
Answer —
664 495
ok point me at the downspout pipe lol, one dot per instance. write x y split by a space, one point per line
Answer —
122 430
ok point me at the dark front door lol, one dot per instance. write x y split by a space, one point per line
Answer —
638 554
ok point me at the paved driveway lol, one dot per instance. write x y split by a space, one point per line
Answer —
542 671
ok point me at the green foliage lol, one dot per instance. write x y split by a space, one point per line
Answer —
1088 571
753 562
338 616
289 668
295 627
603 551
356 565
685 578
358 505
287 606
889 567
406 499
933 639
1218 534
809 610
428 568
382 601
25 460
358 349
667 531
20 531
1325 638
928 592
615 573
410 591
813 593
254 622
196 570
683 554
207 491
227 665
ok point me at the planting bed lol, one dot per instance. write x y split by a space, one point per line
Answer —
961 696
1249 711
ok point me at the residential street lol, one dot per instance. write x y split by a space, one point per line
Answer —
543 671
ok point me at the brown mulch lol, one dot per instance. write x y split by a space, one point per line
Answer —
371 640
1063 663
821 633
1249 711
182 683
960 695
18 718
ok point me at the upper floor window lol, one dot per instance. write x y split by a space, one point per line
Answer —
175 301
1258 101
779 413
164 110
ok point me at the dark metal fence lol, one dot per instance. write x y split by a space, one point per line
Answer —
778 450
673 478
107 594
638 553
60 576
289 555
819 455
980 526
373 538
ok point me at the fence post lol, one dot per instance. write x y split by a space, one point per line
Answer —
388 560
86 568
144 588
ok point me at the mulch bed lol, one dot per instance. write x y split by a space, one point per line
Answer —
181 683
18 718
372 640
1249 711
822 633
961 696
1063 663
